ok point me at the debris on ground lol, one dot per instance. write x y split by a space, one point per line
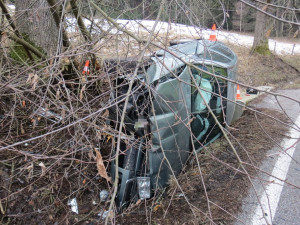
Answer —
104 195
73 204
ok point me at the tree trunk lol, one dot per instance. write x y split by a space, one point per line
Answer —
262 32
36 24
278 24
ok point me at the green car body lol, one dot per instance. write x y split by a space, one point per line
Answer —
177 120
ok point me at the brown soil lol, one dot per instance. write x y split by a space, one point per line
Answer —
31 196
39 177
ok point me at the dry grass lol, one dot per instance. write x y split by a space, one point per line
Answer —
271 70
293 84
293 60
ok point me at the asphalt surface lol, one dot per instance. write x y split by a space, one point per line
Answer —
280 200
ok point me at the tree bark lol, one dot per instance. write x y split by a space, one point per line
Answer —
26 45
7 15
35 23
57 18
262 32
80 22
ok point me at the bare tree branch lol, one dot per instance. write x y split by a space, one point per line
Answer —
8 17
12 24
25 44
57 19
80 22
269 14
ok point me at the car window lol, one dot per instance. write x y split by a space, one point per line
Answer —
214 56
211 69
224 50
211 90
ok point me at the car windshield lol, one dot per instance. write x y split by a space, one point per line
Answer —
215 56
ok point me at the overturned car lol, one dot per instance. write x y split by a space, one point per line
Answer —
167 115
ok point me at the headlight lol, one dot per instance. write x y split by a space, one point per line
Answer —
143 184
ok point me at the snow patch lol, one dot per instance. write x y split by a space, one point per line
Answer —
174 30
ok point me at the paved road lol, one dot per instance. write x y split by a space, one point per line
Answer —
280 201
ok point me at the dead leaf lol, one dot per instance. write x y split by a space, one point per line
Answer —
81 93
296 34
42 165
31 203
4 39
91 155
30 172
268 33
65 61
34 123
1 209
30 76
30 167
106 114
22 129
138 202
83 80
34 81
57 96
108 138
57 203
157 207
47 73
100 166
264 8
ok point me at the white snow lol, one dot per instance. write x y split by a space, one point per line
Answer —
11 7
234 38
174 30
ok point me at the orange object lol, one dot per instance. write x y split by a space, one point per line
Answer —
86 69
23 104
238 93
213 35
